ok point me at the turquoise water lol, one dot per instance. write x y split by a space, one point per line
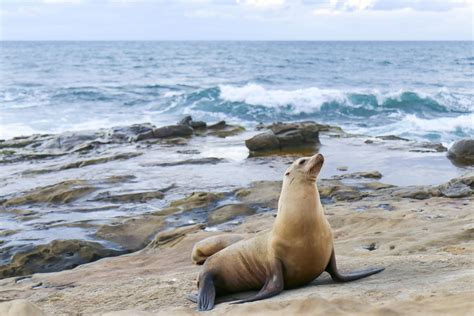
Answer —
418 90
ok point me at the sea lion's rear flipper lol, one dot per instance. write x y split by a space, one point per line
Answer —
338 277
207 293
193 297
273 285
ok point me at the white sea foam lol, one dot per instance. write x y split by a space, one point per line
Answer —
416 127
302 100
311 99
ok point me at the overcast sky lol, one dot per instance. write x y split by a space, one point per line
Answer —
236 19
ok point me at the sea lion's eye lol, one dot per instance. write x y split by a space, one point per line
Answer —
302 161
287 174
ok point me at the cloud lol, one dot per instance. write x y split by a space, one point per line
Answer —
332 7
62 1
262 4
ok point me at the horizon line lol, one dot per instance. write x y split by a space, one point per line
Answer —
236 40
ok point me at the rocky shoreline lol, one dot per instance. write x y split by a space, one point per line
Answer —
101 200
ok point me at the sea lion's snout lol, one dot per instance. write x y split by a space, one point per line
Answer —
319 158
315 164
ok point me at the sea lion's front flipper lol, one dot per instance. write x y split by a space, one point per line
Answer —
273 285
338 277
207 293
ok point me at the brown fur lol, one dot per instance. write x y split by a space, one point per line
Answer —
301 239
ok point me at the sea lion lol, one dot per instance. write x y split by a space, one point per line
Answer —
293 253
209 246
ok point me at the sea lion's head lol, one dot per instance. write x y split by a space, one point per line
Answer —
305 168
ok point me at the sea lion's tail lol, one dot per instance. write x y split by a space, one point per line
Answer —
338 277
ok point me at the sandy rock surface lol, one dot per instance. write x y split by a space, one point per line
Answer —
425 246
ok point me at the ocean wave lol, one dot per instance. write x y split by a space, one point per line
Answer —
443 129
310 100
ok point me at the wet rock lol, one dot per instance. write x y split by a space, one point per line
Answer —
458 187
227 212
19 142
392 137
188 120
197 200
285 137
20 308
197 161
55 256
171 237
346 195
26 156
69 140
337 191
377 185
172 131
262 193
86 162
462 152
8 232
165 132
342 168
263 142
417 193
455 188
358 175
137 197
427 147
60 193
127 133
134 233
222 129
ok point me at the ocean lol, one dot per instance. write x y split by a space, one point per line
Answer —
417 90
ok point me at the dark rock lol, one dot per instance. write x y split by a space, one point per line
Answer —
55 256
69 140
127 133
392 137
218 125
285 137
432 147
188 121
462 152
263 142
143 136
377 185
373 246
137 197
60 193
172 131
357 175
198 161
222 129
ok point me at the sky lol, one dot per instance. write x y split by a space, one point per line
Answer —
236 19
